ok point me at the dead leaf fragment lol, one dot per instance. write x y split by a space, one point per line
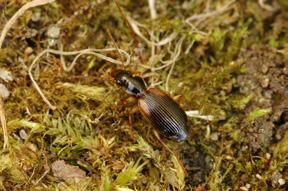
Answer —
67 172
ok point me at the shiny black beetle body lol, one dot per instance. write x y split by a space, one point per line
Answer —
156 106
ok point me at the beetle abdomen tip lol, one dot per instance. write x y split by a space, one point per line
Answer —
180 136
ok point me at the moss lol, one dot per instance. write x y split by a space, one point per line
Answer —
90 126
257 113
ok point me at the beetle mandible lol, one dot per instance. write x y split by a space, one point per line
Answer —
156 106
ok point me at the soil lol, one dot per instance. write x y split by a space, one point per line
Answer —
266 80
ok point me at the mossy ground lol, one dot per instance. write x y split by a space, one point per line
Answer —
225 58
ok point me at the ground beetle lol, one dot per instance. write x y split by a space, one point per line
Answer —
156 106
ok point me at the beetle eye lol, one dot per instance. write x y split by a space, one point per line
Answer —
121 82
118 81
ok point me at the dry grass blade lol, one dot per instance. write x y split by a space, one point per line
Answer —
174 58
210 14
95 52
3 123
265 6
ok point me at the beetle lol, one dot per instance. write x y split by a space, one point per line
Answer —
156 106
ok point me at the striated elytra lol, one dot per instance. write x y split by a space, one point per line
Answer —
156 106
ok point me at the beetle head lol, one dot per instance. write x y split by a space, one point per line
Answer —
122 78
133 85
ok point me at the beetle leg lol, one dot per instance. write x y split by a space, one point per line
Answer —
148 131
160 140
179 99
172 152
130 115
124 102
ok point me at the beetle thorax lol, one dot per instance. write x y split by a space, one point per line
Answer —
133 85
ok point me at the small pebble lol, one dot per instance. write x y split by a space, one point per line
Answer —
28 50
229 157
264 69
23 134
214 136
259 176
4 92
281 181
268 156
248 185
36 17
53 32
5 75
244 188
265 82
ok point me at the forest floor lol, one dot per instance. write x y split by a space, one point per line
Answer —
67 121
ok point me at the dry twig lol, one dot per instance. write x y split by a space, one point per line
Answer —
3 123
174 56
